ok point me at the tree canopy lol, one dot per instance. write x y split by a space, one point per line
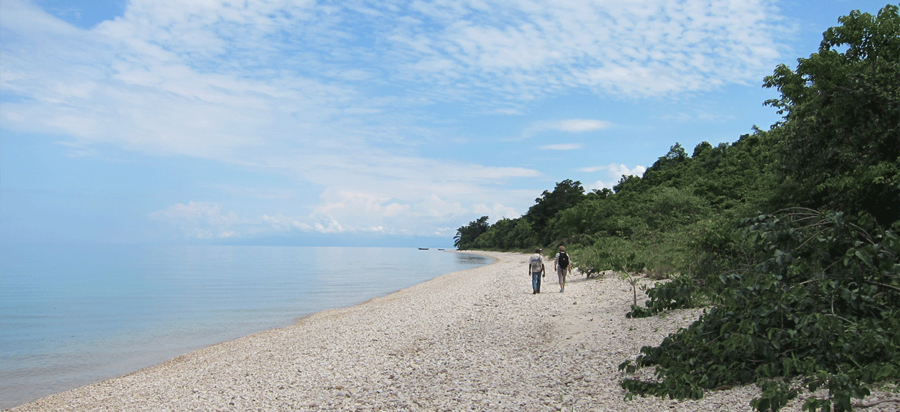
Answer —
466 235
842 119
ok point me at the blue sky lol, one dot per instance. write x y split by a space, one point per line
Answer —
361 122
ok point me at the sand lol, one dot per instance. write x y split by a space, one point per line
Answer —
472 340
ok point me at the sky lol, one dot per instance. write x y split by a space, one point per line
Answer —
362 123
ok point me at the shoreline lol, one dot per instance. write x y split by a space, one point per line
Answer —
474 339
183 298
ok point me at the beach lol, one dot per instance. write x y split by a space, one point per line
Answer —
471 340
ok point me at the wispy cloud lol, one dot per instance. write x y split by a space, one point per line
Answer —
263 84
583 125
201 220
561 146
698 116
567 126
525 49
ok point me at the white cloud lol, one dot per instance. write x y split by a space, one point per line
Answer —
343 212
622 170
201 220
614 172
229 77
636 48
322 93
583 125
593 169
339 212
435 207
193 211
561 146
567 126
496 212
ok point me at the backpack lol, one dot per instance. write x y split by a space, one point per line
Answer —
563 260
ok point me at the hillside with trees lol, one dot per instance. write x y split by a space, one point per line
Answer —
788 236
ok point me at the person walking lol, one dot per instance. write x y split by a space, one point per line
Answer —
536 268
562 267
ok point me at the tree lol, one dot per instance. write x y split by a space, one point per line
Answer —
466 235
842 119
629 183
669 208
670 168
566 194
700 149
601 193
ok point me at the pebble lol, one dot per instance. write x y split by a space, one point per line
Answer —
472 340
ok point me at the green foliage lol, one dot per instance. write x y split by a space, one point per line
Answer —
466 235
618 215
668 208
735 176
566 194
822 311
842 117
507 234
608 253
679 293
658 254
669 168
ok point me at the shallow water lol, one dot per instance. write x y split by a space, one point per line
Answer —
71 315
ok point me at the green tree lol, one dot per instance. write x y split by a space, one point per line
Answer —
616 215
734 176
507 234
566 194
523 236
842 119
630 183
466 235
669 208
670 168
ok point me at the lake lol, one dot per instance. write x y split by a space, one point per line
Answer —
71 315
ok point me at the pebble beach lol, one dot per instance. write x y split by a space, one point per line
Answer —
473 340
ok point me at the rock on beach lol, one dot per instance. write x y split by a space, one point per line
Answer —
472 340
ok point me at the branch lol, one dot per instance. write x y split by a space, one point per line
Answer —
882 285
808 238
789 209
836 316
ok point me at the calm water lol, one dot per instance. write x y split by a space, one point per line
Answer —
72 315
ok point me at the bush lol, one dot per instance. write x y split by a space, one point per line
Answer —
679 293
822 311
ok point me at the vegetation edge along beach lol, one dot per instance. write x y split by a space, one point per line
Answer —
788 236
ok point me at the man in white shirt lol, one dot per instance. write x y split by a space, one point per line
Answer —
536 268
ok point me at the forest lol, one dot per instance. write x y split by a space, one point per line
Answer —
788 237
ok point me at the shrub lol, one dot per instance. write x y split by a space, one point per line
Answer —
822 311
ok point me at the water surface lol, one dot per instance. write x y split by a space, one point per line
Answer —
71 315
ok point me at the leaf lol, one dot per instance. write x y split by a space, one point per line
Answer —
865 258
